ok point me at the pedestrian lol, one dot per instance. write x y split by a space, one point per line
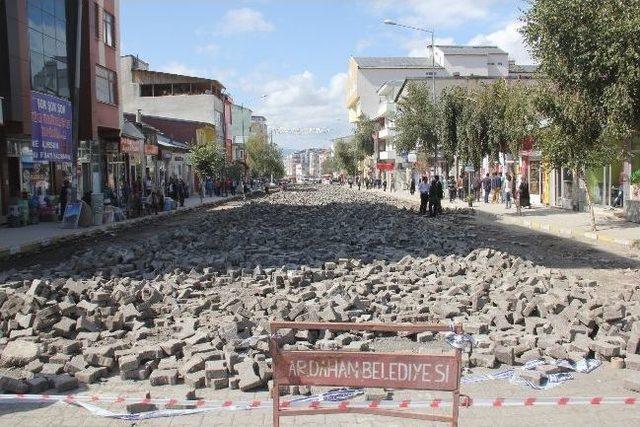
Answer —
148 185
460 186
477 187
64 197
392 184
507 191
524 194
384 185
181 189
423 189
412 186
359 182
486 185
496 185
436 194
451 188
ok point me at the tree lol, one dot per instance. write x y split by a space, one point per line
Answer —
450 113
330 166
363 136
416 123
574 137
590 49
346 154
264 159
208 159
474 127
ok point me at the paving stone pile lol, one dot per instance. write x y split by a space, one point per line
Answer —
193 304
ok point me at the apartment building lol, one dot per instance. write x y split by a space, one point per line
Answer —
38 54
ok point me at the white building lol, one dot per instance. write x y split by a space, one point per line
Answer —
170 95
367 74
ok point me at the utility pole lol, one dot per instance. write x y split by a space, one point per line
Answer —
76 108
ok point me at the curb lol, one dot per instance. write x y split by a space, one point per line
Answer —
33 247
572 233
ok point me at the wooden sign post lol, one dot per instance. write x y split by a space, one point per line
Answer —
439 372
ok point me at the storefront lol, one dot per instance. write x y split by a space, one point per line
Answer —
131 150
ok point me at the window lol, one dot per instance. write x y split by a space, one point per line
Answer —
105 85
47 46
109 28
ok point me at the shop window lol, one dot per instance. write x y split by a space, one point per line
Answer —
109 29
163 90
105 85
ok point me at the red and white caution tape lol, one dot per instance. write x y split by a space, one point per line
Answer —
307 403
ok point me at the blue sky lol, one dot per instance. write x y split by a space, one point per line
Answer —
296 51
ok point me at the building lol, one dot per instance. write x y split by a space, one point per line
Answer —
172 96
240 130
38 50
175 138
259 127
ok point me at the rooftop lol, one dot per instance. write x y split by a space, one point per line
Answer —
393 62
516 68
470 50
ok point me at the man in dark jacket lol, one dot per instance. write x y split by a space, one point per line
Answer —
436 194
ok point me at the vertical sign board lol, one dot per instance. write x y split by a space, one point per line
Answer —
50 128
438 372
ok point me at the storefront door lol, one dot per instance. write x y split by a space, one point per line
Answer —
535 182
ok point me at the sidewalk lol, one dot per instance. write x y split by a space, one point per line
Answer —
612 230
31 238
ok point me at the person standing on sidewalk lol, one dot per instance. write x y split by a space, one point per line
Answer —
423 188
506 190
436 194
64 197
486 185
412 186
524 194
477 187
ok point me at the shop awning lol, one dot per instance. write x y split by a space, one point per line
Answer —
129 130
167 142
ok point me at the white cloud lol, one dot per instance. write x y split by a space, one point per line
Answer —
422 47
175 67
300 101
508 39
221 74
439 13
363 44
244 20
208 48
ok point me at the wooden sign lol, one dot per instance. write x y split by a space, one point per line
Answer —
437 372
357 369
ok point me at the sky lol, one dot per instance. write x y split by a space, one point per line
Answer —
296 51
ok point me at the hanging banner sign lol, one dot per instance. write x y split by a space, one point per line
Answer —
151 149
130 146
385 166
50 128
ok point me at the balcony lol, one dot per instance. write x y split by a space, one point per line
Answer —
387 132
388 155
386 109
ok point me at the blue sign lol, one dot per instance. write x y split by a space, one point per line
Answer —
50 128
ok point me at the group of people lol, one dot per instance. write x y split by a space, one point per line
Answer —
431 194
499 188
375 183
220 187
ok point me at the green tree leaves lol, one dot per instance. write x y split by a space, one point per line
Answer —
264 159
208 159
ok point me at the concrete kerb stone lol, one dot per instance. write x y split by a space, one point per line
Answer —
94 232
571 233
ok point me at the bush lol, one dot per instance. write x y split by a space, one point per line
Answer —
635 177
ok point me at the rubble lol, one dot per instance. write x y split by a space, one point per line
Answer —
192 304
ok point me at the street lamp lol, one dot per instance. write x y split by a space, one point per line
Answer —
433 72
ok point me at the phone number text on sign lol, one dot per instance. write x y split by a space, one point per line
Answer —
414 371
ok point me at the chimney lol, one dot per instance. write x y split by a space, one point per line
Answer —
139 116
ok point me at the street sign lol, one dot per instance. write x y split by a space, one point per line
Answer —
437 372
469 168
382 370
